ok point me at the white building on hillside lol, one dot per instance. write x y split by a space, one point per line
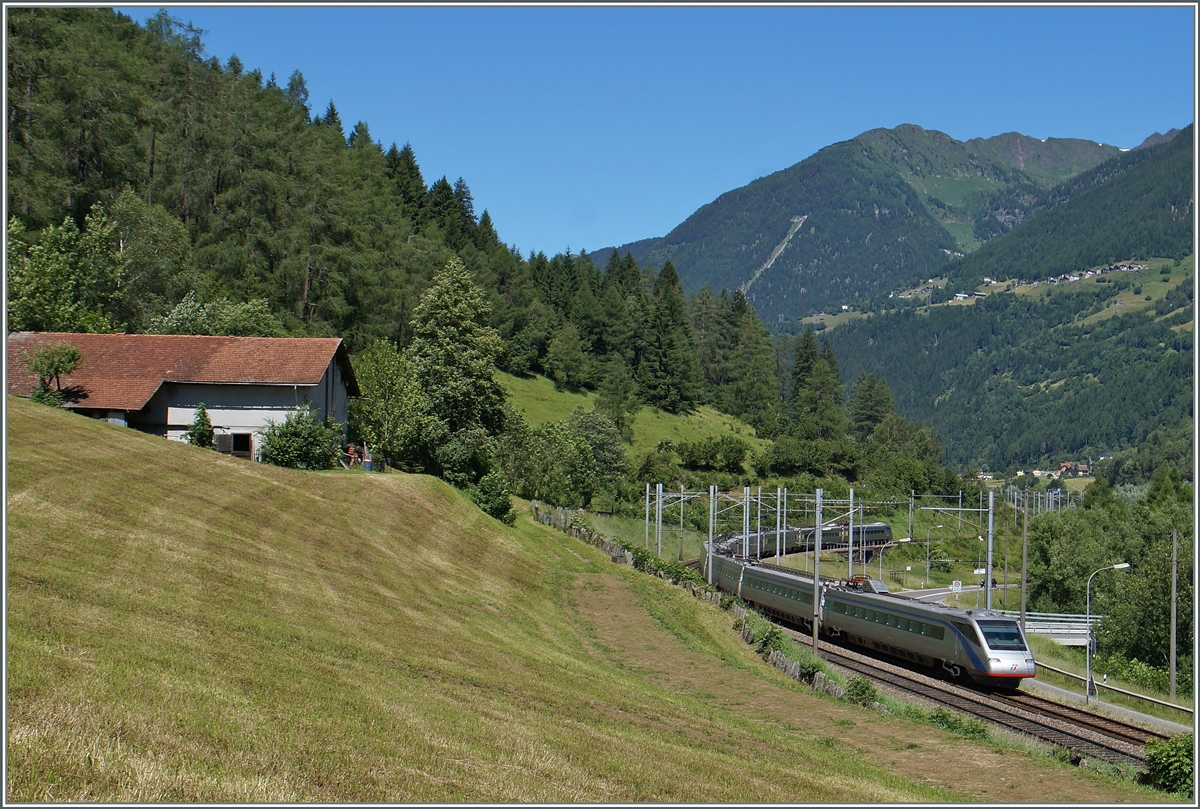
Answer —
154 382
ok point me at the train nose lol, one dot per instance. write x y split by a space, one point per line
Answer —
1012 666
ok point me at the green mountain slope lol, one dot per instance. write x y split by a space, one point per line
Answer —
184 626
855 219
837 226
1137 205
959 181
1050 373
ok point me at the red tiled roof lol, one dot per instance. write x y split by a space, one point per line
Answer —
122 371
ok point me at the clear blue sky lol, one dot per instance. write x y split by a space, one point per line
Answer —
588 127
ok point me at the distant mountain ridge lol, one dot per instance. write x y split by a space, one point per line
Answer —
1137 205
1157 138
878 210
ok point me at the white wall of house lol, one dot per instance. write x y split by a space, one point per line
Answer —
239 409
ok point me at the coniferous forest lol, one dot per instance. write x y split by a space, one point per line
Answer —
168 192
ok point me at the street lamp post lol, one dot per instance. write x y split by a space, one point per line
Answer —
1087 686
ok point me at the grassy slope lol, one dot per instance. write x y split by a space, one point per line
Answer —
184 626
542 402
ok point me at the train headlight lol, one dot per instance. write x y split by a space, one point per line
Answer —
1029 660
993 660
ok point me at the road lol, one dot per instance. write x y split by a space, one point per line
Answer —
940 593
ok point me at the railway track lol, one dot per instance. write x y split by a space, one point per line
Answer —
1135 734
1083 733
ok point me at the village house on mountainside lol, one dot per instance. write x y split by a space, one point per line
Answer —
153 382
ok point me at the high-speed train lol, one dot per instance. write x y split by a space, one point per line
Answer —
984 647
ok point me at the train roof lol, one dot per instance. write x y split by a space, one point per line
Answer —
835 585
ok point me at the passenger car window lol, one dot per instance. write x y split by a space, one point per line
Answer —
968 632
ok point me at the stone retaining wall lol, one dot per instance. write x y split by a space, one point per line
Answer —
561 518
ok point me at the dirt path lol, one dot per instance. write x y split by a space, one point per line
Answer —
629 634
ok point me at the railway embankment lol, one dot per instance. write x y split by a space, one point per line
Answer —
847 675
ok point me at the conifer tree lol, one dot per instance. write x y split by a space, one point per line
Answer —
568 361
827 355
442 208
466 202
360 136
619 326
753 392
802 364
667 375
332 120
706 332
297 93
403 169
870 402
617 397
486 238
589 319
818 412
453 351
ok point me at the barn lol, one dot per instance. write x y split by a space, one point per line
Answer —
153 382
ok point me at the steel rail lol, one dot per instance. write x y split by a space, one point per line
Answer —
1000 715
1136 734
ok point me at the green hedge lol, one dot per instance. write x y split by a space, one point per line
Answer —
1170 763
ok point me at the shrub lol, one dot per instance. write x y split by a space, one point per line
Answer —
200 434
300 441
1169 763
810 664
957 723
43 395
1152 678
723 453
771 640
862 691
492 496
646 561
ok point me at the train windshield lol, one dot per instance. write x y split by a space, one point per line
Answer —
1002 635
